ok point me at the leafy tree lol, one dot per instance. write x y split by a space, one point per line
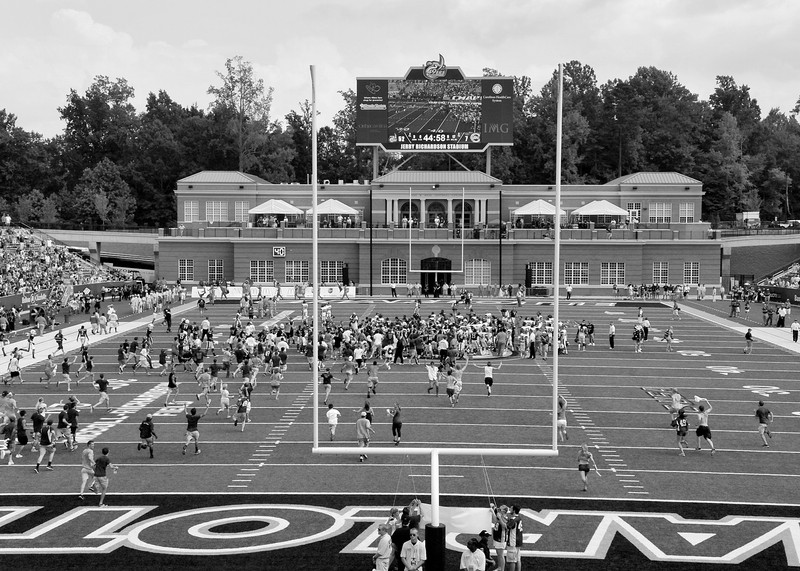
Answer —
298 127
25 159
103 181
101 124
249 104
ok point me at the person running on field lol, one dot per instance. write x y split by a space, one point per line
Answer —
702 424
192 433
397 423
372 377
242 411
87 468
585 461
172 389
102 388
488 376
47 446
225 401
765 417
333 419
349 369
363 431
101 466
433 377
147 434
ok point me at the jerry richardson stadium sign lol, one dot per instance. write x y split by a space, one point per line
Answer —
434 108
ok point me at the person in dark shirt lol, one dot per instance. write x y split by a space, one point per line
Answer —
101 466
72 418
192 433
147 433
399 537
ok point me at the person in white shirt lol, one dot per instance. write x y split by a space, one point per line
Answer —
795 330
333 421
383 552
474 559
413 552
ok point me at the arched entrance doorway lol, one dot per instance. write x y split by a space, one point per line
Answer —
414 216
435 273
467 214
436 211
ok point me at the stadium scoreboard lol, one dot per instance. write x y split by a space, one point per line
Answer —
434 108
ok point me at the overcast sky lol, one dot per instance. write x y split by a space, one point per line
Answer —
48 47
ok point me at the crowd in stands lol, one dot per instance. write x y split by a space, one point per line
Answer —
789 278
30 263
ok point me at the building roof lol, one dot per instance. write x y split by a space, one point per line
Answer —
222 177
436 177
654 178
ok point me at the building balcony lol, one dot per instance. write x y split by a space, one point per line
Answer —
675 232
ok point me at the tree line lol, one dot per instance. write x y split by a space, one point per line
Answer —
113 166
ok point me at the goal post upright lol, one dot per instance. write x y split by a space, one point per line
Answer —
434 453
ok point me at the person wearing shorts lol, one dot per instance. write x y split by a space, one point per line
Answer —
275 384
681 425
172 386
363 430
585 461
499 519
192 433
327 379
47 445
561 419
147 435
488 376
451 388
349 369
225 401
101 466
333 419
703 429
87 467
242 411
764 418
13 369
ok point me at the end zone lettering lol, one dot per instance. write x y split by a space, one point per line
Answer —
576 534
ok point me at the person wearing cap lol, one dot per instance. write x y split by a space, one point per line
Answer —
363 430
147 433
483 544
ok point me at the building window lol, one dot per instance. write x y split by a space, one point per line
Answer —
216 270
186 270
241 208
330 271
216 211
541 273
576 273
191 211
297 271
661 273
612 273
262 271
691 272
477 272
394 271
660 212
634 210
686 212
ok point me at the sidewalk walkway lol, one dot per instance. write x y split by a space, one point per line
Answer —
717 312
46 344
